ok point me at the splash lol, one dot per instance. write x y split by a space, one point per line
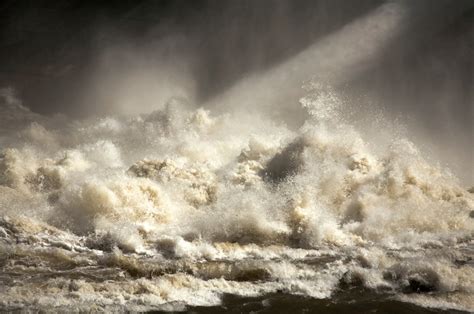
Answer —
178 207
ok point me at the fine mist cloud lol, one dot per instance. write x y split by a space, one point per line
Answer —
404 61
333 59
139 76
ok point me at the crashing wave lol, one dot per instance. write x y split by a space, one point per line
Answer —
178 207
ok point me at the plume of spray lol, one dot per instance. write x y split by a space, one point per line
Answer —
338 58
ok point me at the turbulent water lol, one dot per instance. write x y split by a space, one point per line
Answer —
182 207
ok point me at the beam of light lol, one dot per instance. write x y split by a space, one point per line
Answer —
334 58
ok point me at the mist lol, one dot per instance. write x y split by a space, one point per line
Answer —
237 56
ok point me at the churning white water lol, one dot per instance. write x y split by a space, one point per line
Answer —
177 207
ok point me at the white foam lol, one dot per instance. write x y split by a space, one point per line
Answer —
196 188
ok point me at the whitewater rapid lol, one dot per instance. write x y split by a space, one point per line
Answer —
180 206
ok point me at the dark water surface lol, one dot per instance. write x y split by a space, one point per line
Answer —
354 302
